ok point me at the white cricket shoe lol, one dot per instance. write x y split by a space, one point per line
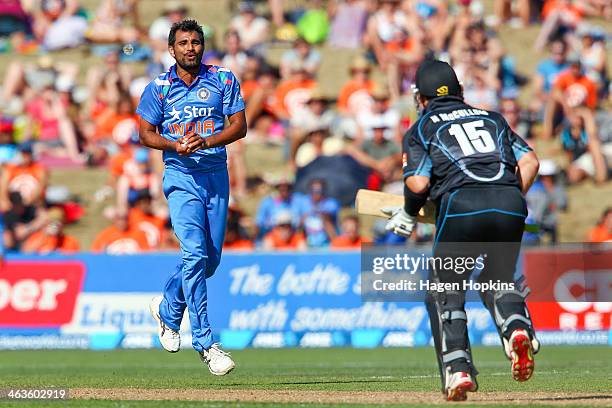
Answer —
219 362
458 385
169 339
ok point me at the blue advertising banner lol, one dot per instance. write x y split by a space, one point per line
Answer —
255 300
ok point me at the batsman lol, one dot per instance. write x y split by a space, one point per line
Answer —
476 170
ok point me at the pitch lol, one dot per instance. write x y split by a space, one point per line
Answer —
567 376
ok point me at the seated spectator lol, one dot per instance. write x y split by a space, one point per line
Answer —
236 236
593 54
110 22
479 90
560 18
292 94
348 23
603 231
381 154
349 236
355 97
13 18
316 142
302 55
260 99
547 73
119 238
26 177
520 122
283 200
52 238
319 215
21 221
142 217
545 199
140 178
50 122
573 94
252 28
56 23
234 57
382 114
283 235
587 156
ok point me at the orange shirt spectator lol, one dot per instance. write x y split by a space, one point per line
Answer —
577 90
344 242
355 96
277 239
42 243
120 238
28 178
151 225
603 231
239 244
563 6
292 96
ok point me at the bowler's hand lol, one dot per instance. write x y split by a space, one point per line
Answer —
400 222
189 143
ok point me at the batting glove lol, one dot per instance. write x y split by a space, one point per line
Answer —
400 222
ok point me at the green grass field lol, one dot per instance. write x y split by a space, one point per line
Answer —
576 376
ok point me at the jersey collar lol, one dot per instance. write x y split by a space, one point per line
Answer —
174 76
443 102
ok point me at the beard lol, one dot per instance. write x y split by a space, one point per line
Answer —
189 65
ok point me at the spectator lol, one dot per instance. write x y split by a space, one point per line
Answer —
548 71
316 112
349 237
119 238
561 17
236 236
21 221
52 238
293 93
283 235
545 199
56 23
13 18
282 200
382 114
260 98
140 179
316 142
301 55
348 23
319 215
603 231
573 94
355 97
234 58
587 156
142 217
504 12
109 24
520 122
106 84
27 177
593 54
252 29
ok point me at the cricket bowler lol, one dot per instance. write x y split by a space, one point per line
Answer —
476 170
182 112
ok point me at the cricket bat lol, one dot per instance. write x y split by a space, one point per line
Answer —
369 202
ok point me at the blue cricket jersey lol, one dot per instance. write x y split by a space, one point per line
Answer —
176 108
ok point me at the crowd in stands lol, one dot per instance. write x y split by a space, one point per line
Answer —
51 117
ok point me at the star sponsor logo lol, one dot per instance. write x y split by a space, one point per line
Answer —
176 115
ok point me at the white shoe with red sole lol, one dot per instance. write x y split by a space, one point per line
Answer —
520 349
458 385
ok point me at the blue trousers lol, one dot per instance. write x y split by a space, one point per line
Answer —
198 211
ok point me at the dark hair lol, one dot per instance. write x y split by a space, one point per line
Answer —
187 26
